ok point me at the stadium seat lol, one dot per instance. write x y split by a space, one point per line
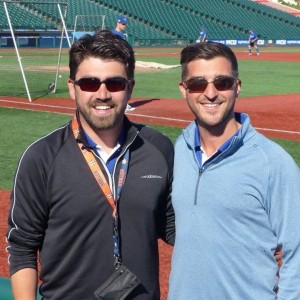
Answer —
166 19
6 291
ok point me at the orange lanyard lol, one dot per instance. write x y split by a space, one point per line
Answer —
98 174
103 184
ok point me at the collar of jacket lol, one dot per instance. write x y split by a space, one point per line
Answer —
237 141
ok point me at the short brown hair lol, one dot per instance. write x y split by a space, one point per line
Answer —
208 50
103 44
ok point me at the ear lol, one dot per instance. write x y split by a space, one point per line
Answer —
182 89
129 89
71 88
238 87
131 84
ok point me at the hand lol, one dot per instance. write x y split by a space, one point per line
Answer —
278 256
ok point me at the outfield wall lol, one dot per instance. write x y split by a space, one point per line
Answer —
52 40
280 43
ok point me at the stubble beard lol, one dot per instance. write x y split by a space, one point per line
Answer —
103 123
215 121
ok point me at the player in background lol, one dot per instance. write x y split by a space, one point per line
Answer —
253 38
202 35
121 23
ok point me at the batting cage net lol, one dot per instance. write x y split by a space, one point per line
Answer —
32 63
87 24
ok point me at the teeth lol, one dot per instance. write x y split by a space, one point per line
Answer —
102 107
211 105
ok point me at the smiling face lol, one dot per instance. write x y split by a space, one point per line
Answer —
101 110
214 110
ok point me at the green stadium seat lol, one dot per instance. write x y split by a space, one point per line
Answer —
164 19
6 290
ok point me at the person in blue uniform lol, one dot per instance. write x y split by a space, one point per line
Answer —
202 35
121 23
253 38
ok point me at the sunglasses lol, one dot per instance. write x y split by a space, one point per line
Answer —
92 84
199 84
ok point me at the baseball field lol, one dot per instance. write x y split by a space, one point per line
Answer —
270 95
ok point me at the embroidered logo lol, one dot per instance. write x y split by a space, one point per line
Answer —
151 176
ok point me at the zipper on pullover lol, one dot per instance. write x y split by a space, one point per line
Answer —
111 177
197 185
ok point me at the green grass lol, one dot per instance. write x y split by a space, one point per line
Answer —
20 128
157 85
258 77
149 51
261 78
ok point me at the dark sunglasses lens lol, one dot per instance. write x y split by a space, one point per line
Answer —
196 85
89 84
223 84
199 85
115 84
92 84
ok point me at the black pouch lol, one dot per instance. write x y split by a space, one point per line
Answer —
118 286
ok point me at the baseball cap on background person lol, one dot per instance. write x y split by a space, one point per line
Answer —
122 20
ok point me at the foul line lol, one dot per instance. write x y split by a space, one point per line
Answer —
137 115
277 130
160 118
36 104
188 121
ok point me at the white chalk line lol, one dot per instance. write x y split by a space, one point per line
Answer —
140 115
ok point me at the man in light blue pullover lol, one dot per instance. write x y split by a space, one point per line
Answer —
236 194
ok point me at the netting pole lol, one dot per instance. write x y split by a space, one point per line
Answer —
64 25
17 51
60 47
75 26
103 22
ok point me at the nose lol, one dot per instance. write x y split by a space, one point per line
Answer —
103 92
210 92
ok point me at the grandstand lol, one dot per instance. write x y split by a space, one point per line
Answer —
159 22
